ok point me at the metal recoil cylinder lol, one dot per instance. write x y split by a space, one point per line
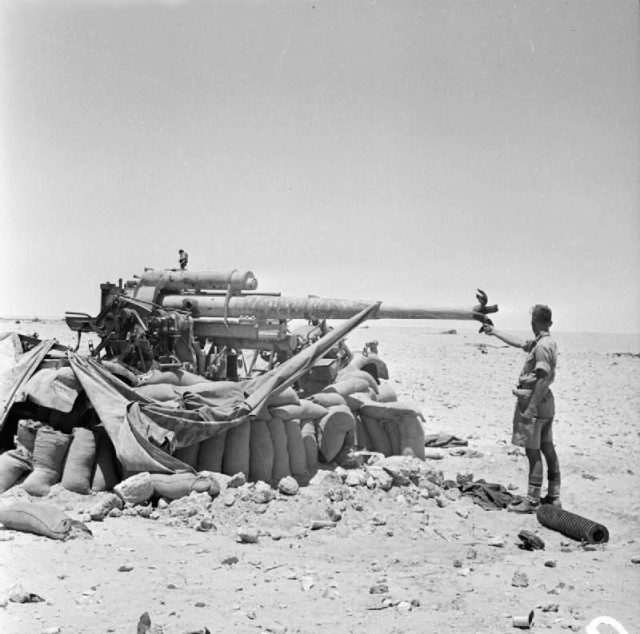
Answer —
182 280
572 525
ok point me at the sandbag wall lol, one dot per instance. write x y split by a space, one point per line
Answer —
289 437
82 461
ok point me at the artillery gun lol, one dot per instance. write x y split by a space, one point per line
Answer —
204 322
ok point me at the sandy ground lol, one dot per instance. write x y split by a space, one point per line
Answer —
396 561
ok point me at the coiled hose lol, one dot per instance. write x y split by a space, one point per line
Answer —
572 525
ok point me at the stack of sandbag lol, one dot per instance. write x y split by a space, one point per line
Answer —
281 441
392 428
382 423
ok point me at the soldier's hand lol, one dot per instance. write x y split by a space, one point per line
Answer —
487 329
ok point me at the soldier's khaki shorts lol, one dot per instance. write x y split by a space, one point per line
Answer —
531 434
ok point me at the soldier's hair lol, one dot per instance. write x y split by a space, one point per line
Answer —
541 313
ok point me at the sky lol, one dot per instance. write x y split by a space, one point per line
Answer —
394 150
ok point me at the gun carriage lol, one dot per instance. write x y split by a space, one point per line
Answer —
205 322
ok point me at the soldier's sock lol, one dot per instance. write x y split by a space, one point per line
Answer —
554 484
533 490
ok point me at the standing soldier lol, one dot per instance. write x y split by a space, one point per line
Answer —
533 417
184 258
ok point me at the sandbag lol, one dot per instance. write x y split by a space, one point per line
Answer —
105 472
278 435
332 430
53 388
347 386
48 457
174 486
377 433
13 465
261 452
236 450
386 393
370 363
40 519
188 454
305 410
356 400
328 399
386 411
393 431
361 439
26 433
295 447
347 373
411 436
308 430
287 397
210 453
78 464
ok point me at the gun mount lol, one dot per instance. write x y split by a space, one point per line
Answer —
204 321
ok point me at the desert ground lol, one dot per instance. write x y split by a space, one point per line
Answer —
396 561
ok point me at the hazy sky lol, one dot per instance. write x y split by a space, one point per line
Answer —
401 150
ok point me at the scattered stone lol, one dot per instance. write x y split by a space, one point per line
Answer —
229 498
550 563
453 494
464 477
457 563
376 520
205 525
115 513
136 489
379 588
356 478
236 481
229 561
101 509
248 535
472 553
441 501
145 511
325 478
307 583
51 630
520 580
318 524
125 568
404 606
262 493
334 515
550 607
403 469
381 478
589 476
288 486
463 513
635 560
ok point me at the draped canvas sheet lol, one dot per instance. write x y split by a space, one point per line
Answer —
145 432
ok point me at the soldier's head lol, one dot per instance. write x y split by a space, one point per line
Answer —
540 318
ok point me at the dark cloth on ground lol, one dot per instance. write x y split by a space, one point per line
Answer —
444 440
490 496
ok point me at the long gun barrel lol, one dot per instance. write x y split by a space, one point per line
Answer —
270 307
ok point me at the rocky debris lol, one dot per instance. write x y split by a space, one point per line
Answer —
101 509
135 489
356 477
288 486
259 493
190 506
248 535
236 481
520 580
